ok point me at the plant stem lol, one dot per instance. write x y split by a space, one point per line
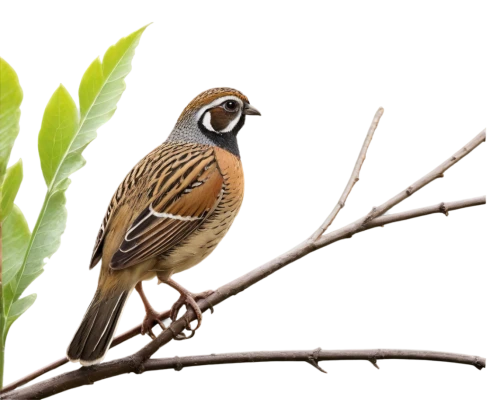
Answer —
2 352
2 315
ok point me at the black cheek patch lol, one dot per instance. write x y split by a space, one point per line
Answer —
220 118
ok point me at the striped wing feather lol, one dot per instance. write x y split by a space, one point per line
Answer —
178 189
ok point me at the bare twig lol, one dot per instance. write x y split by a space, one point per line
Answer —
444 208
374 218
316 355
363 223
354 176
366 223
87 376
438 172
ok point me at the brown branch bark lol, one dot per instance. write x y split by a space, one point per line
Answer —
89 375
374 218
354 176
438 172
312 357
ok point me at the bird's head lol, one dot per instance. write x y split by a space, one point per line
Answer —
220 111
214 117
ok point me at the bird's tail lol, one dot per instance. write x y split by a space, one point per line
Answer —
94 336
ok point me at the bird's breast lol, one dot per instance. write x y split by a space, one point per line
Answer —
204 240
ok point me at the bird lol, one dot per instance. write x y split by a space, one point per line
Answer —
169 213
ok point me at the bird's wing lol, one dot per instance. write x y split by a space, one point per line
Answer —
179 191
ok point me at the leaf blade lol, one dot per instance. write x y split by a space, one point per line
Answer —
113 60
90 85
9 189
100 90
46 238
11 96
59 128
15 239
18 308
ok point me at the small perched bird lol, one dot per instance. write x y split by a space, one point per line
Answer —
167 215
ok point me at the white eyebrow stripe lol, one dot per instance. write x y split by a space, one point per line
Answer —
218 102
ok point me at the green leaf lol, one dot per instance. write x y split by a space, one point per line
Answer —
90 86
10 187
70 164
15 239
100 90
11 96
59 127
43 244
20 306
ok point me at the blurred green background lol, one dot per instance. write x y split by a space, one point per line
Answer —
185 49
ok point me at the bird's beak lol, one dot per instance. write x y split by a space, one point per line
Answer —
250 110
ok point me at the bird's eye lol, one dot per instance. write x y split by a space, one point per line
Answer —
230 106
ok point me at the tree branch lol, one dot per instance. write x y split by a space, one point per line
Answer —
374 218
438 172
366 222
89 375
354 176
312 356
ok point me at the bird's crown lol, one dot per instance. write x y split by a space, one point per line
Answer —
209 96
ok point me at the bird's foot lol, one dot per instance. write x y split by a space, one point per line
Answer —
187 299
150 320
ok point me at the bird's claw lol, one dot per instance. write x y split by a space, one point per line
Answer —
189 300
150 320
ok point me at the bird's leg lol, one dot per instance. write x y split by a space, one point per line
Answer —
188 299
152 316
